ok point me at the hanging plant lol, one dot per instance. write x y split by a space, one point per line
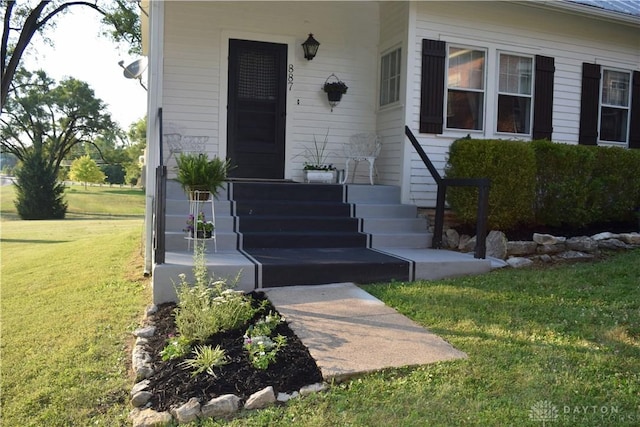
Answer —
335 88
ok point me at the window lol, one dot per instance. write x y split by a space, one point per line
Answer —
465 88
614 106
454 77
515 83
390 77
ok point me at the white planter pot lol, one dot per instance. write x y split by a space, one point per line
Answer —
325 177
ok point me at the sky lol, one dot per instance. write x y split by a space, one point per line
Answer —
81 52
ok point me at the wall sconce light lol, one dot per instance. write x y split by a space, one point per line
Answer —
310 47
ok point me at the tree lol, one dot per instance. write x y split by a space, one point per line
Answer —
138 141
85 169
43 122
21 22
51 118
39 194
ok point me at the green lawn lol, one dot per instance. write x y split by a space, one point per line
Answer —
568 336
72 290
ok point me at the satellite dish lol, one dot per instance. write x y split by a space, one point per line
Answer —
135 70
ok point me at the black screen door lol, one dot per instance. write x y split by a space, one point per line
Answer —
256 111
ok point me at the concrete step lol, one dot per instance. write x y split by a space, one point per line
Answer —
367 210
390 225
177 241
179 223
401 240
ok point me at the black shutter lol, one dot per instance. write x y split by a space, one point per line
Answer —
589 103
634 129
543 98
432 90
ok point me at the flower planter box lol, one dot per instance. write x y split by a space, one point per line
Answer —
319 176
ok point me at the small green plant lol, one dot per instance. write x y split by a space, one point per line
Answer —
261 347
263 350
316 156
176 348
209 306
206 358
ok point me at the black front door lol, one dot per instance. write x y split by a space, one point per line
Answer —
256 111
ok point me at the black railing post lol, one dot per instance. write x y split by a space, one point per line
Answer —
159 214
438 227
483 185
481 220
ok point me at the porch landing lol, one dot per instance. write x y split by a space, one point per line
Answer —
424 264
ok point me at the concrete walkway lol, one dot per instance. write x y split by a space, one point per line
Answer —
349 332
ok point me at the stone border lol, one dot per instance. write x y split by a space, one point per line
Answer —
225 406
544 248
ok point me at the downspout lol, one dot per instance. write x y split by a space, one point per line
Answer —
154 102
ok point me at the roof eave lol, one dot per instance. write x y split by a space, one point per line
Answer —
585 10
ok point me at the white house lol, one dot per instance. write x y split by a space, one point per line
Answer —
235 73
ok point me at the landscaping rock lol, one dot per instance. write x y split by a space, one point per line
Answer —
141 362
141 398
261 399
285 397
496 244
146 332
630 238
547 239
582 244
151 310
551 248
521 247
451 239
141 386
545 258
188 412
518 262
574 256
604 236
312 388
467 244
221 407
150 418
613 244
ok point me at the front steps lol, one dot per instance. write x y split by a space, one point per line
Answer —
279 234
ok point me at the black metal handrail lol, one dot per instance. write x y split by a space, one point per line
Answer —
160 203
483 185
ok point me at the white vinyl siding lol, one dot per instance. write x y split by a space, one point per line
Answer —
195 69
522 30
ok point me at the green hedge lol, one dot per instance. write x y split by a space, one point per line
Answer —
545 183
511 167
563 183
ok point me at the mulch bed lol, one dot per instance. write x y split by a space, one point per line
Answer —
172 385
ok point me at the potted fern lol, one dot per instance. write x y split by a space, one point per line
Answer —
196 172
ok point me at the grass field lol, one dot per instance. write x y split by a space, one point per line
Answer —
557 346
72 290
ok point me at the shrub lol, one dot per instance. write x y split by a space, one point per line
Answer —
510 165
615 184
563 184
39 194
209 306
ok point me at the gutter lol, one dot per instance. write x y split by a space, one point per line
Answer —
584 10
